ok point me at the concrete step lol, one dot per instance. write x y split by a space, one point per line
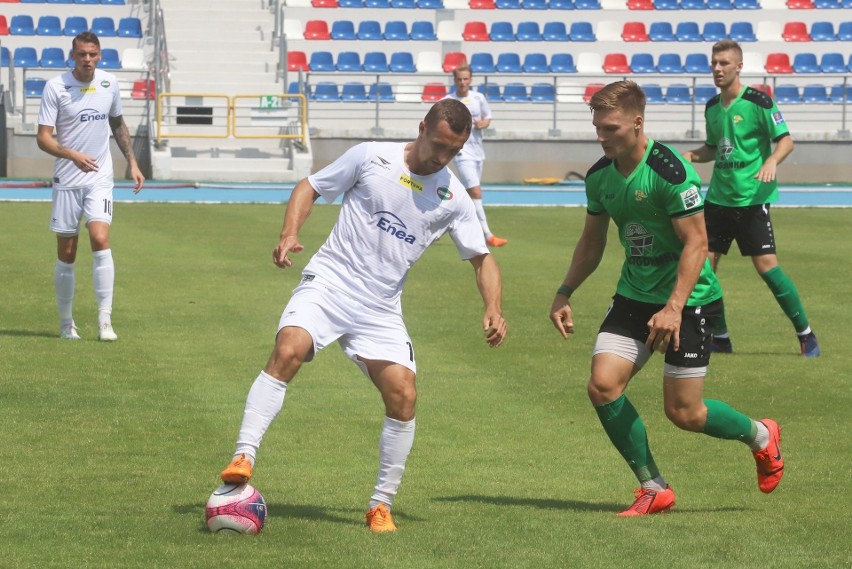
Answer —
233 169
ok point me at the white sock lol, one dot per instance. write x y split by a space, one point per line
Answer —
761 441
394 446
63 281
480 213
657 484
804 332
103 277
265 399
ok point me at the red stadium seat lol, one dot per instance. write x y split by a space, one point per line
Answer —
591 89
324 3
616 63
778 63
800 4
452 60
4 26
795 31
640 4
297 60
763 87
317 30
475 31
433 92
143 90
483 5
634 31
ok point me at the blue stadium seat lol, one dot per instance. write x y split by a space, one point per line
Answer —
321 61
542 93
823 31
714 31
827 4
87 1
841 93
377 4
430 4
369 30
554 31
508 4
582 31
747 4
52 57
653 93
509 63
482 62
815 93
343 30
704 92
382 90
350 3
584 5
326 91
34 86
4 56
678 93
666 5
25 57
534 4
502 31
661 31
693 5
562 63
669 63
642 63
74 25
688 32
375 62
113 2
129 28
402 62
788 93
844 31
49 26
103 26
396 30
562 5
535 63
696 63
354 91
491 91
423 30
806 62
515 92
406 4
293 88
528 31
720 4
832 63
348 61
21 25
109 59
742 32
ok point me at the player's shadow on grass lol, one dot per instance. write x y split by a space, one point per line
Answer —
551 504
29 333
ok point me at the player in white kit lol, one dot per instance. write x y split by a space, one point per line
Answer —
469 161
84 105
398 199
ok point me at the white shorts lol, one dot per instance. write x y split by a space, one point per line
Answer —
470 172
329 315
71 204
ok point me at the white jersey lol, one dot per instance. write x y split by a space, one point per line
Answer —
80 114
388 219
477 104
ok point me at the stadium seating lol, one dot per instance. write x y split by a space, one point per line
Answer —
482 5
382 90
482 62
75 25
841 93
508 4
616 63
562 63
753 63
788 93
528 31
591 89
369 30
4 26
666 5
430 4
402 62
542 93
491 91
377 4
509 63
21 25
324 3
653 93
747 4
25 56
742 32
806 62
688 32
322 61
778 63
696 63
704 92
534 4
661 31
427 62
475 31
555 31
375 62
515 92
844 31
589 62
823 31
581 31
143 90
640 5
34 86
669 63
49 26
502 31
800 4
535 62
348 61
297 60
714 31
423 30
103 26
109 59
407 4
634 31
317 30
326 91
433 91
562 5
353 91
396 30
693 5
720 4
795 31
678 93
815 93
452 59
4 56
343 30
832 62
52 57
642 63
129 28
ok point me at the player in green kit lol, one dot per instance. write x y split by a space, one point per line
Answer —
742 123
664 296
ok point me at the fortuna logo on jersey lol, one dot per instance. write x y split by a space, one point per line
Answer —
391 224
408 182
88 115
88 89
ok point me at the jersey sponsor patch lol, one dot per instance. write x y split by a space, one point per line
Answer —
408 182
690 198
776 116
88 89
444 193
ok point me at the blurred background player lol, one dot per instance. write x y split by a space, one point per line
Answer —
84 105
742 124
470 160
398 199
665 292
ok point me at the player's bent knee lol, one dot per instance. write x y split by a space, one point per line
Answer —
687 419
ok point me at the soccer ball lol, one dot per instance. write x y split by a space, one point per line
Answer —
235 509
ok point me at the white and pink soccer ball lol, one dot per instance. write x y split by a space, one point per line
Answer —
236 509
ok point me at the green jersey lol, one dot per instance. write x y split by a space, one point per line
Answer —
742 135
661 187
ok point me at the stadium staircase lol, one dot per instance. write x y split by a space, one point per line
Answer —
217 50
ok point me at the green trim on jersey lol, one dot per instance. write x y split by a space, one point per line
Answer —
742 135
661 187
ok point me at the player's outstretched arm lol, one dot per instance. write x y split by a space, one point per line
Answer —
299 207
703 154
586 258
490 284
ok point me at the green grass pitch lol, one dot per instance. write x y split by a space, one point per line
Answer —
109 451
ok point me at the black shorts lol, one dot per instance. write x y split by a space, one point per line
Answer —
629 318
750 226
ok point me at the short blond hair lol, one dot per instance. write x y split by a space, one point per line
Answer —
619 96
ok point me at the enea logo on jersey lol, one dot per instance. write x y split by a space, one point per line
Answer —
411 183
776 116
392 225
89 115
444 193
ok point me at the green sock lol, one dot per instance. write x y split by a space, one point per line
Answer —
787 296
627 432
725 422
719 326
